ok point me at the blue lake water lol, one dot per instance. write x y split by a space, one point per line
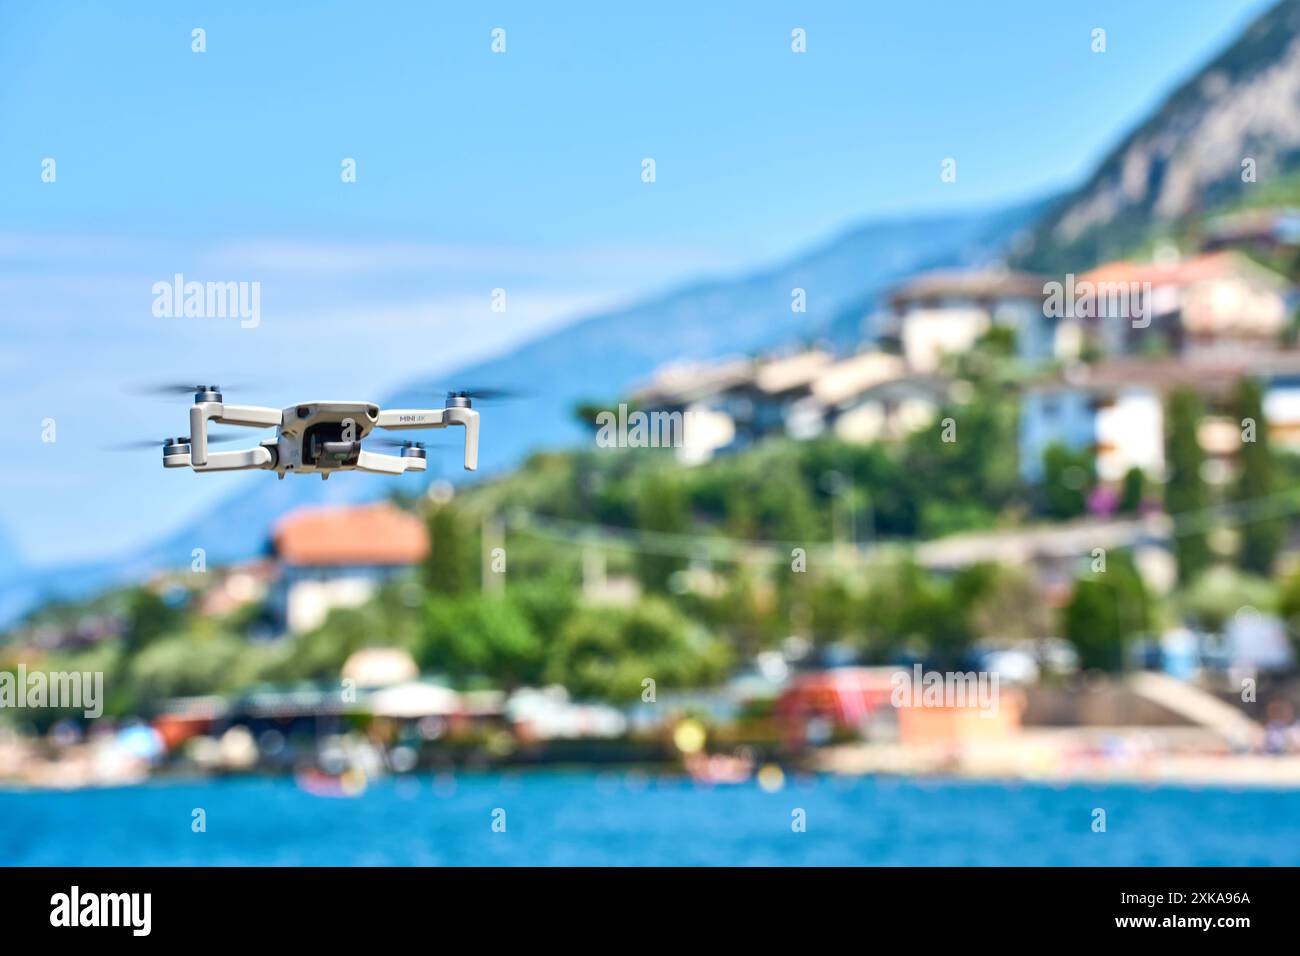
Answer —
554 818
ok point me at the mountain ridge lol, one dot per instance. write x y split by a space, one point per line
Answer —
1188 155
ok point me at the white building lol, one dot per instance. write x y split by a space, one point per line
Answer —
944 313
866 398
1215 302
731 404
1116 409
1123 425
331 557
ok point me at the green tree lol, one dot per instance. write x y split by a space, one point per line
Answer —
452 566
319 654
481 636
907 606
1132 490
1011 607
1288 606
1216 595
106 657
968 458
836 612
184 666
586 411
608 653
148 617
546 603
1261 538
747 611
786 507
1186 497
999 341
1068 476
887 608
662 508
1106 611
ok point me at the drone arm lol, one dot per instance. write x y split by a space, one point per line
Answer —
249 458
388 464
403 419
469 418
252 416
201 413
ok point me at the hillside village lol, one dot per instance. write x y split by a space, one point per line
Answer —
1091 380
1033 476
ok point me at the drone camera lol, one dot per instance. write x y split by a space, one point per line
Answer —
325 446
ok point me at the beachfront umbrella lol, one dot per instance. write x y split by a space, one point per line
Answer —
140 741
380 667
415 699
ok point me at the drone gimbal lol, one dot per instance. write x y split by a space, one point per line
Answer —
316 437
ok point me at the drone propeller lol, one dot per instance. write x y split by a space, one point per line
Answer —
217 439
488 394
174 389
178 389
397 443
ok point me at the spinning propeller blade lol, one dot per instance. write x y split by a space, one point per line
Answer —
179 389
220 438
398 443
488 394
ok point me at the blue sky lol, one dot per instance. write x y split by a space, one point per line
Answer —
475 171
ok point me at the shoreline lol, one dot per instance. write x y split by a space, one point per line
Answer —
1073 755
1247 772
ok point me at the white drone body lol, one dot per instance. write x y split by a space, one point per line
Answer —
316 437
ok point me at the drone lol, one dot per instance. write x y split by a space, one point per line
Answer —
318 438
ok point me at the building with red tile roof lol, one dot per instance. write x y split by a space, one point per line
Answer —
1211 301
339 556
377 534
